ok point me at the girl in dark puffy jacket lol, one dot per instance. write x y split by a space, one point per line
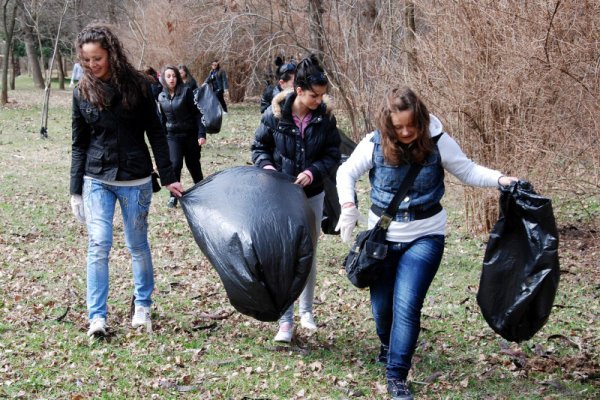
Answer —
298 136
183 122
285 80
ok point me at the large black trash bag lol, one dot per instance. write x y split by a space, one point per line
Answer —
520 267
208 104
255 227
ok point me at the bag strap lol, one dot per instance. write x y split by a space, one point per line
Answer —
388 215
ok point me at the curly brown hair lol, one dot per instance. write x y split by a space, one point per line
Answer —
127 80
394 152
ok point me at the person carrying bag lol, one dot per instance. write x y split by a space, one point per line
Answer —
364 261
416 227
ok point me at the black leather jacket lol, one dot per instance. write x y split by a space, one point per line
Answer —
179 114
217 78
110 144
278 142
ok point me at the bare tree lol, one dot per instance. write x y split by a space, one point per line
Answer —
9 12
509 79
55 54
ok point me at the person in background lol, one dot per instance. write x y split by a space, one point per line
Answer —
285 74
417 233
186 77
76 74
183 122
298 136
217 78
113 116
155 84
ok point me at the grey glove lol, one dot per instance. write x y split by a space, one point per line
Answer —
77 207
347 221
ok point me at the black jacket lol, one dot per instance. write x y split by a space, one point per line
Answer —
278 143
217 78
179 114
110 144
270 92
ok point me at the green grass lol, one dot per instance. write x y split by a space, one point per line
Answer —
42 273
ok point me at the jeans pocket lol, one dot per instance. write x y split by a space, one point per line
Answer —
145 195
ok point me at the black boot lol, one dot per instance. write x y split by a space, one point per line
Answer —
383 355
398 389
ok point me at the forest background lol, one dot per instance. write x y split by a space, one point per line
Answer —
515 82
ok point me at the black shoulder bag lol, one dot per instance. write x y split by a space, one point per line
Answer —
364 261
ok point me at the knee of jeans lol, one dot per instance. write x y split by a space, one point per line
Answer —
408 309
141 247
99 249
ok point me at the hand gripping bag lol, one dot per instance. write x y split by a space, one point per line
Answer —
520 268
210 108
255 227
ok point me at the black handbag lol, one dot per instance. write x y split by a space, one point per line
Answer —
364 261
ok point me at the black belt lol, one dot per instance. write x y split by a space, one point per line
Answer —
418 213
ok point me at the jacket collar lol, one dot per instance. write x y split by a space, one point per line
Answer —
282 105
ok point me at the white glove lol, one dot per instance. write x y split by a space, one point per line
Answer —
347 221
77 207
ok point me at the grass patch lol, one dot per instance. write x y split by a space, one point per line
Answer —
42 278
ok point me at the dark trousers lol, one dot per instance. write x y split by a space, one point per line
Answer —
185 148
219 94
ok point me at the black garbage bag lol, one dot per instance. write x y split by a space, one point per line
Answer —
208 104
331 203
520 268
255 227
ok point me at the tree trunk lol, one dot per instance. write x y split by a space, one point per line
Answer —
111 11
78 15
14 71
60 69
315 27
409 35
34 62
9 29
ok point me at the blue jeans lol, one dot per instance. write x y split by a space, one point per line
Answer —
308 293
398 294
99 200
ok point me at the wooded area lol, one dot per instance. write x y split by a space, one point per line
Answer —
515 82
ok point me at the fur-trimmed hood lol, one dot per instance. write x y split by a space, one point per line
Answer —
279 100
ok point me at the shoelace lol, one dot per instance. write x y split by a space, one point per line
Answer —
399 387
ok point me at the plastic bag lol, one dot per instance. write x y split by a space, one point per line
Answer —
209 106
255 226
520 268
331 203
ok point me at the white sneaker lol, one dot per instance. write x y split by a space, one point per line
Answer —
308 322
285 333
97 327
141 317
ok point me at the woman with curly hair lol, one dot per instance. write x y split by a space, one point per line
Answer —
113 114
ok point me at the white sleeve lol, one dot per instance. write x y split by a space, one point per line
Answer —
467 171
359 162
